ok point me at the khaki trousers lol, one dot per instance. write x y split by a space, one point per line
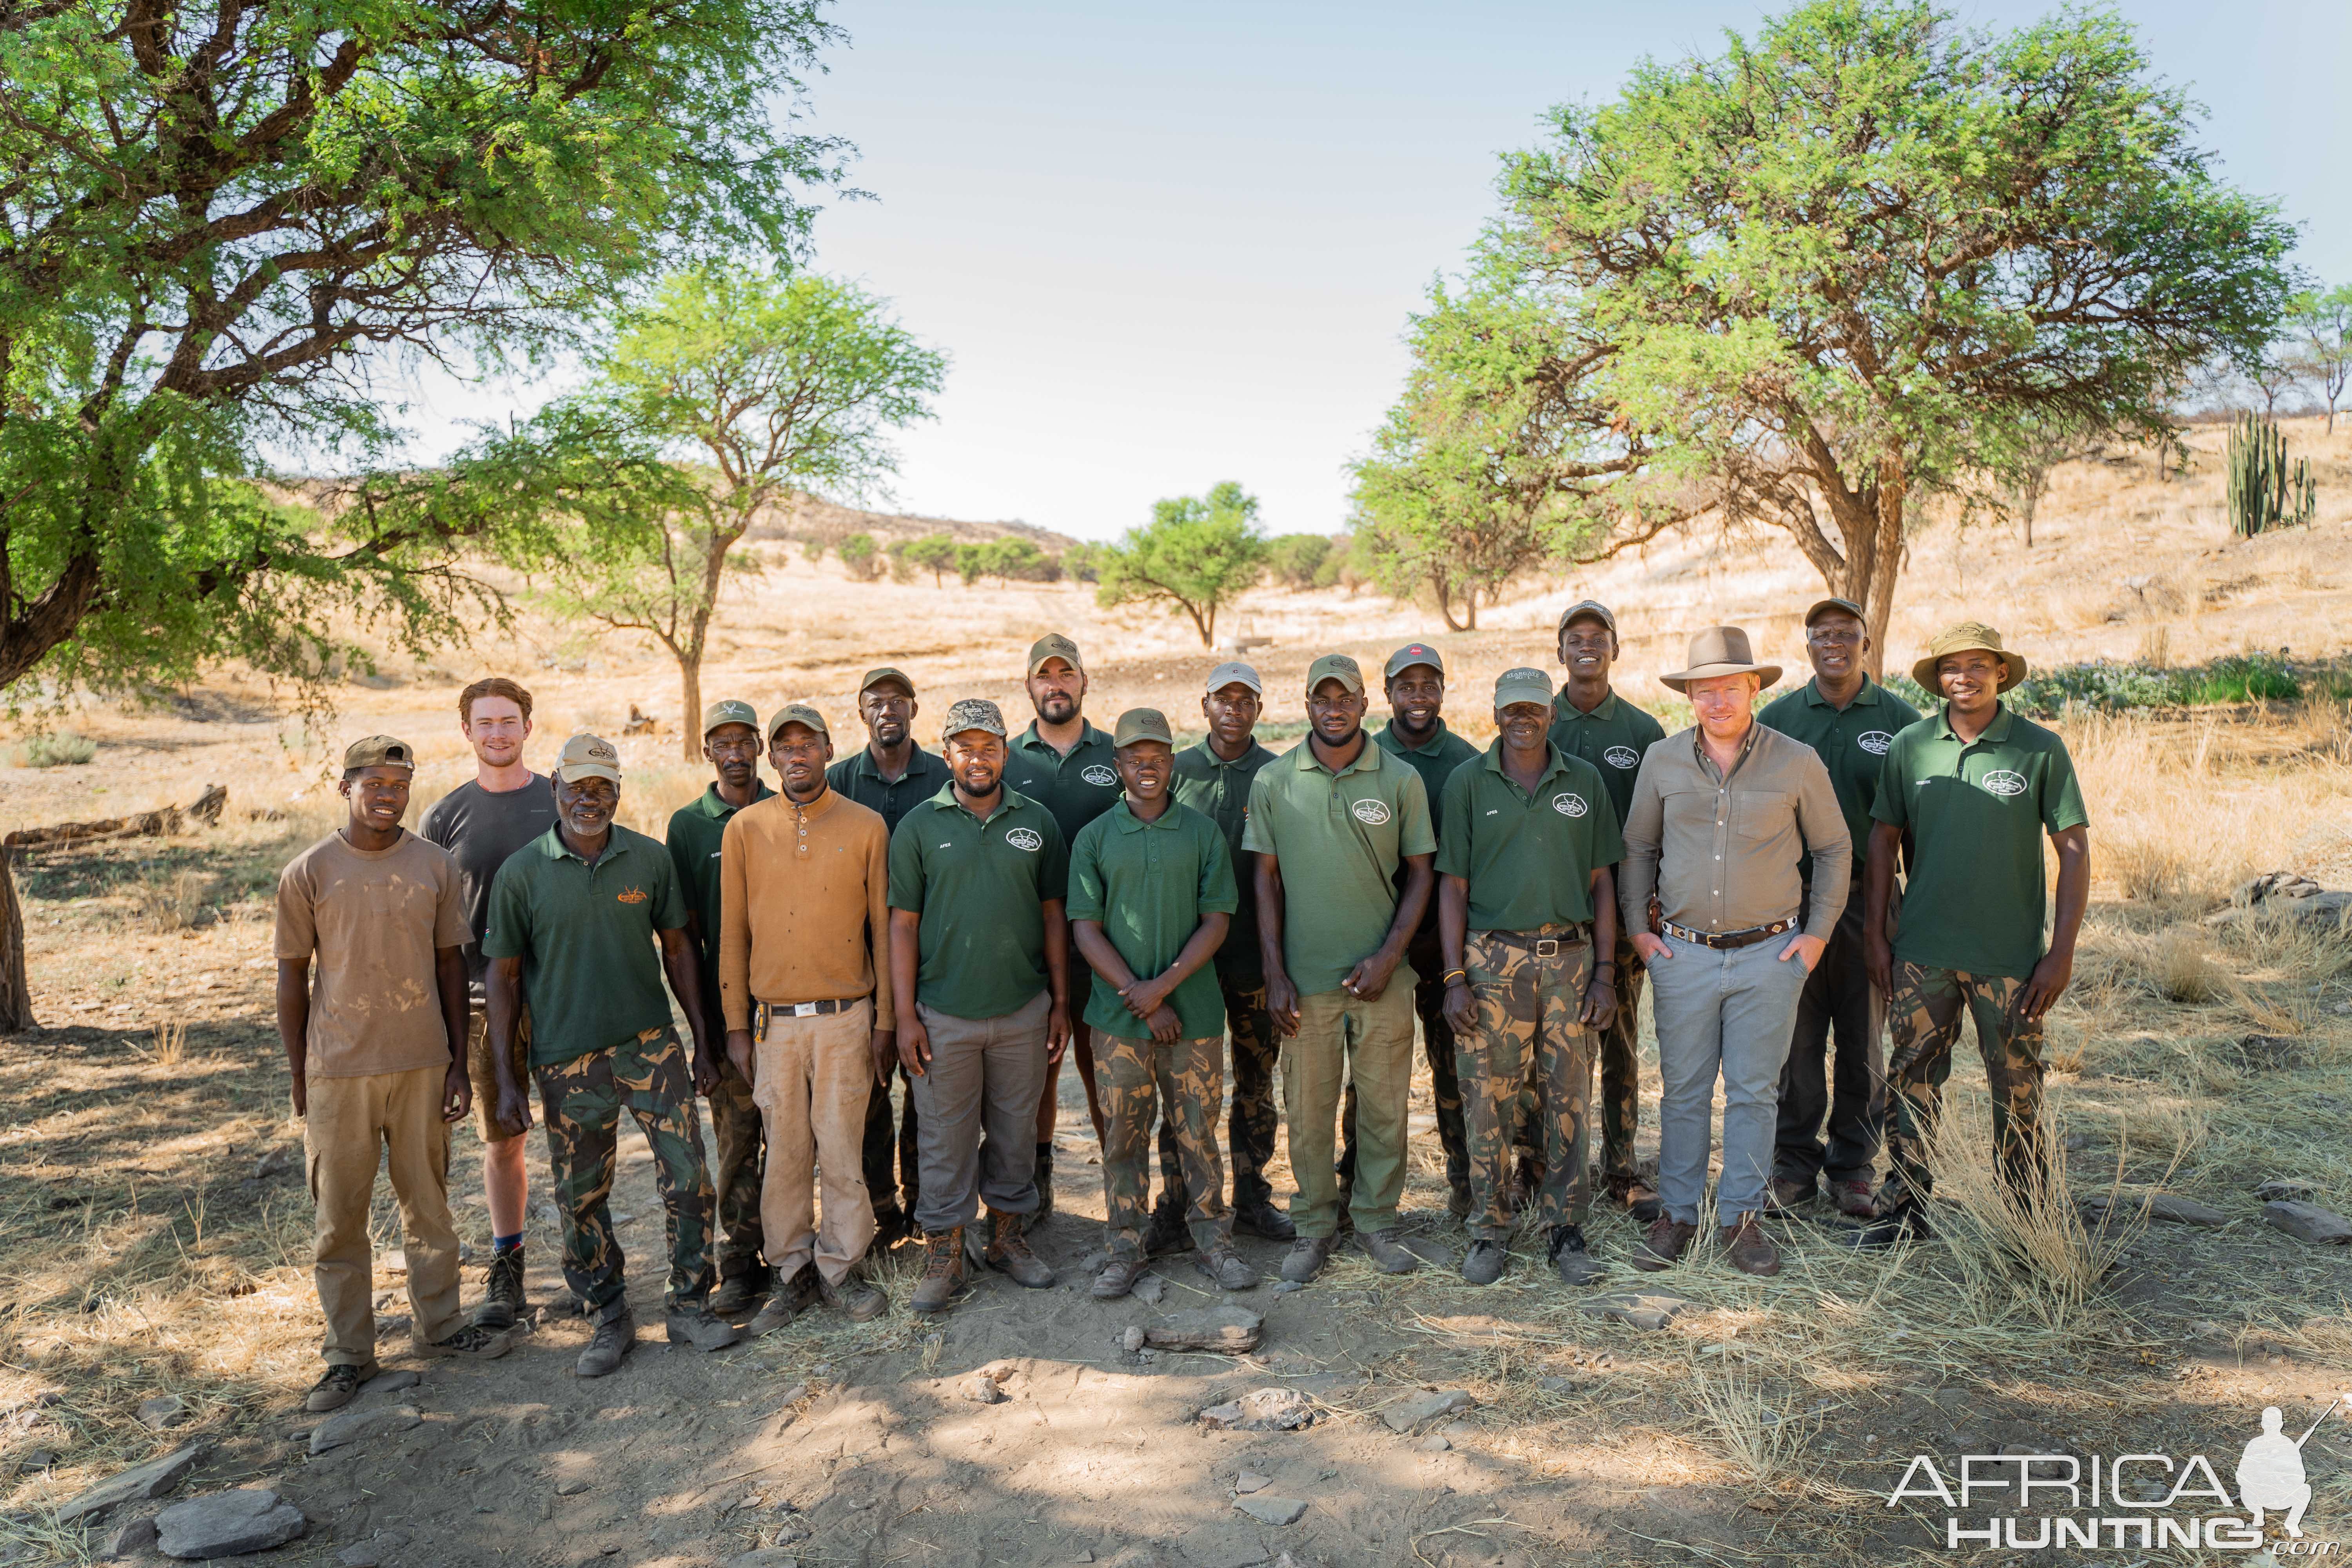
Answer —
1343 1039
351 1121
812 1078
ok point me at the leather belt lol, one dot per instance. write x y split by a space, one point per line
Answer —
1541 946
1723 941
802 1010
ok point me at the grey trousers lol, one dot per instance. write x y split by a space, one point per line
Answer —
1727 1013
976 1114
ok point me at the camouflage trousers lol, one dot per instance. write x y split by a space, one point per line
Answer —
742 1161
583 1097
1527 1035
1620 1069
1923 1023
1183 1083
1250 1126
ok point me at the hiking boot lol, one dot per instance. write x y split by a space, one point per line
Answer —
338 1387
777 1311
1664 1243
1855 1197
1118 1277
1639 1200
501 1302
1570 1259
700 1329
611 1342
854 1297
1008 1252
1750 1251
1483 1264
739 1293
1045 1179
1263 1219
1784 1194
1387 1252
942 1270
1903 1222
475 1340
1168 1232
1224 1265
1306 1259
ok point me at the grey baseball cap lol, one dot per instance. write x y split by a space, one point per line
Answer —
975 713
1522 684
1233 672
1413 653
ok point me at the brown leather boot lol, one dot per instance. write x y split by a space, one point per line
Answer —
1664 1243
942 1270
1750 1251
1008 1252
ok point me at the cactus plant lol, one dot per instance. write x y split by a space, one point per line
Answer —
2264 493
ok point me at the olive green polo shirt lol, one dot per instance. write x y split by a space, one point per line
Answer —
695 830
859 779
1147 884
1219 791
1852 741
1612 737
1340 838
981 888
1436 762
585 936
1528 856
1076 788
1977 812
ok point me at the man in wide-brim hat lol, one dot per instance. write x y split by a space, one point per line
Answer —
1721 815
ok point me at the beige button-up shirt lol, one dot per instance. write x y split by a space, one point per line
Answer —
1721 851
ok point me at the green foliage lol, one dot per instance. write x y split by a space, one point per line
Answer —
935 553
1353 562
1198 553
62 749
2113 687
971 563
862 556
2321 323
1294 559
1081 562
2264 493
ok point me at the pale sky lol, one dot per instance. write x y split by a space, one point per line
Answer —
1170 245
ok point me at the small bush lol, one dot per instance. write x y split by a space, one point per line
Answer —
63 750
2113 687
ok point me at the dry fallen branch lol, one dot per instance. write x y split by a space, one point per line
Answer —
206 809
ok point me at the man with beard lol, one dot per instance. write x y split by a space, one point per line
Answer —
890 775
1065 765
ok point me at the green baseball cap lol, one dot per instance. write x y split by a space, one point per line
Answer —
1054 645
975 713
1583 608
1142 724
875 677
797 713
729 712
1413 653
586 756
1840 606
379 751
1335 667
1522 684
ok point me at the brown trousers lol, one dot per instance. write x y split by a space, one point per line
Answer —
812 1078
351 1122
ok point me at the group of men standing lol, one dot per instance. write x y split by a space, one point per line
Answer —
900 913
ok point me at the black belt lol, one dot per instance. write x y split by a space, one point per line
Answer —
803 1009
1541 946
1728 939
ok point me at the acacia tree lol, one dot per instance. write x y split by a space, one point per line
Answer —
2321 321
759 384
1847 265
1197 553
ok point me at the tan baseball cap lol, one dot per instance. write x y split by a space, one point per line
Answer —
1582 607
729 712
1142 724
875 677
1522 684
1335 667
379 751
1054 645
797 713
586 756
1233 672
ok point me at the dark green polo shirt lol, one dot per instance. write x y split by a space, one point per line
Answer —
1436 762
1219 790
1076 788
695 829
585 936
981 888
858 779
1148 883
1528 857
1612 737
1340 838
1977 813
1852 741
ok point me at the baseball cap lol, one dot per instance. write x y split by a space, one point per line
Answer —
875 677
1844 607
586 756
797 713
976 713
1234 672
729 713
1594 607
1522 684
1335 667
1412 653
1142 724
1054 645
378 751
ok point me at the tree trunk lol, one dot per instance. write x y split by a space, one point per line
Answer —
1445 600
16 989
1886 563
690 682
1470 620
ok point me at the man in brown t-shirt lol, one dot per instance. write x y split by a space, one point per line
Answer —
371 1050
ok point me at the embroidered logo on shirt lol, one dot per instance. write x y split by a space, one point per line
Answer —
1374 811
1098 774
1570 804
1027 838
1622 757
1875 741
633 896
2003 782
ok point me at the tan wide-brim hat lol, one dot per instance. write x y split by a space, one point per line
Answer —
1963 639
1721 650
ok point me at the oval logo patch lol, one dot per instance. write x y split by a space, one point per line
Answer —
1570 804
1098 775
2005 781
1875 741
1374 811
1027 838
1622 757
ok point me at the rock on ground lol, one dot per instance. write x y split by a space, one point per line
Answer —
1271 1510
130 1540
2273 1191
357 1425
1149 1289
385 1382
1264 1410
2158 1205
1638 1309
1250 1481
163 1410
375 1552
1208 1328
153 1479
2308 1222
228 1524
981 1389
1407 1414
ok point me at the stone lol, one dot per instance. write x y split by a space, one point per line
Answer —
151 1479
1149 1289
2308 1222
1407 1414
37 1461
228 1524
981 1389
1435 1442
1286 1287
1271 1510
163 1410
130 1540
385 1382
572 1488
1558 1384
766 1557
1250 1481
1636 1308
1228 1328
376 1552
348 1426
2274 1191
1263 1410
1132 1340
2170 1207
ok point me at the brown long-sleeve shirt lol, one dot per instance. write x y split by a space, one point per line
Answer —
804 906
1722 852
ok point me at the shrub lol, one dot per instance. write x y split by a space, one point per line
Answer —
858 552
62 749
1293 560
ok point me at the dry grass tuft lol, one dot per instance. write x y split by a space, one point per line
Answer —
1757 1422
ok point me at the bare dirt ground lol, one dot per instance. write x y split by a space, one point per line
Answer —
154 1230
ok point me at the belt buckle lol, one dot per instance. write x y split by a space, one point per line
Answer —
1547 947
803 1009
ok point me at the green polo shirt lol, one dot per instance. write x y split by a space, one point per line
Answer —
1976 812
981 888
1220 790
1340 838
1612 737
1527 856
695 829
585 936
1852 741
1436 762
860 780
1076 788
1148 883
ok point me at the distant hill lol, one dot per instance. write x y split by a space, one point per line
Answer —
807 516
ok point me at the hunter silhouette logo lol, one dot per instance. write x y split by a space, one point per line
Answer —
1570 804
1875 741
2003 782
2271 1474
1374 811
1098 775
633 894
1622 757
1027 838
